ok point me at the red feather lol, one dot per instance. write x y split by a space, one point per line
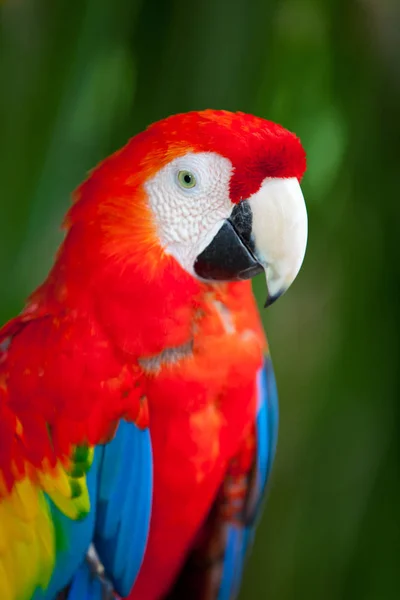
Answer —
70 364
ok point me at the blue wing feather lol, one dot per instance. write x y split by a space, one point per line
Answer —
240 538
233 562
124 505
82 586
120 488
77 537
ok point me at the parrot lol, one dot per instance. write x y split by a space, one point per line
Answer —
138 403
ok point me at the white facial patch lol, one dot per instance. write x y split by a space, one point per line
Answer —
188 218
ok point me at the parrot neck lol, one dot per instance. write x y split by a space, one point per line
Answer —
144 307
146 316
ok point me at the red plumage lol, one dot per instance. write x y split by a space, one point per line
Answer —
257 148
73 361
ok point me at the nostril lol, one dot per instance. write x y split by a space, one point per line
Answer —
242 220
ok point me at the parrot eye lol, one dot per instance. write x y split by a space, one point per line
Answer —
186 179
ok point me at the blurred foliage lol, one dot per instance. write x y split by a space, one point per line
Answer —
79 78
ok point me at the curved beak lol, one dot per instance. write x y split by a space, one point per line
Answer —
267 232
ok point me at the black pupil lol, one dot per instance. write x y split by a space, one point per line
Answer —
187 178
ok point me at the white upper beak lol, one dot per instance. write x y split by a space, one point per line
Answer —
280 231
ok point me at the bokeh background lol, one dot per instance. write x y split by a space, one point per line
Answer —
78 78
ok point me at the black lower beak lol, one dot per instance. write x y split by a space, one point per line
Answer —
271 299
230 256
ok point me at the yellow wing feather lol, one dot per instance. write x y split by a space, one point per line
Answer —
27 531
28 550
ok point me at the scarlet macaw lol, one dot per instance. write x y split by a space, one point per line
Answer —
148 316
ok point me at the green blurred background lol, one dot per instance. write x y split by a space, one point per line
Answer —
80 77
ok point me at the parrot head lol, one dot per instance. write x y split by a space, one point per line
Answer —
215 192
